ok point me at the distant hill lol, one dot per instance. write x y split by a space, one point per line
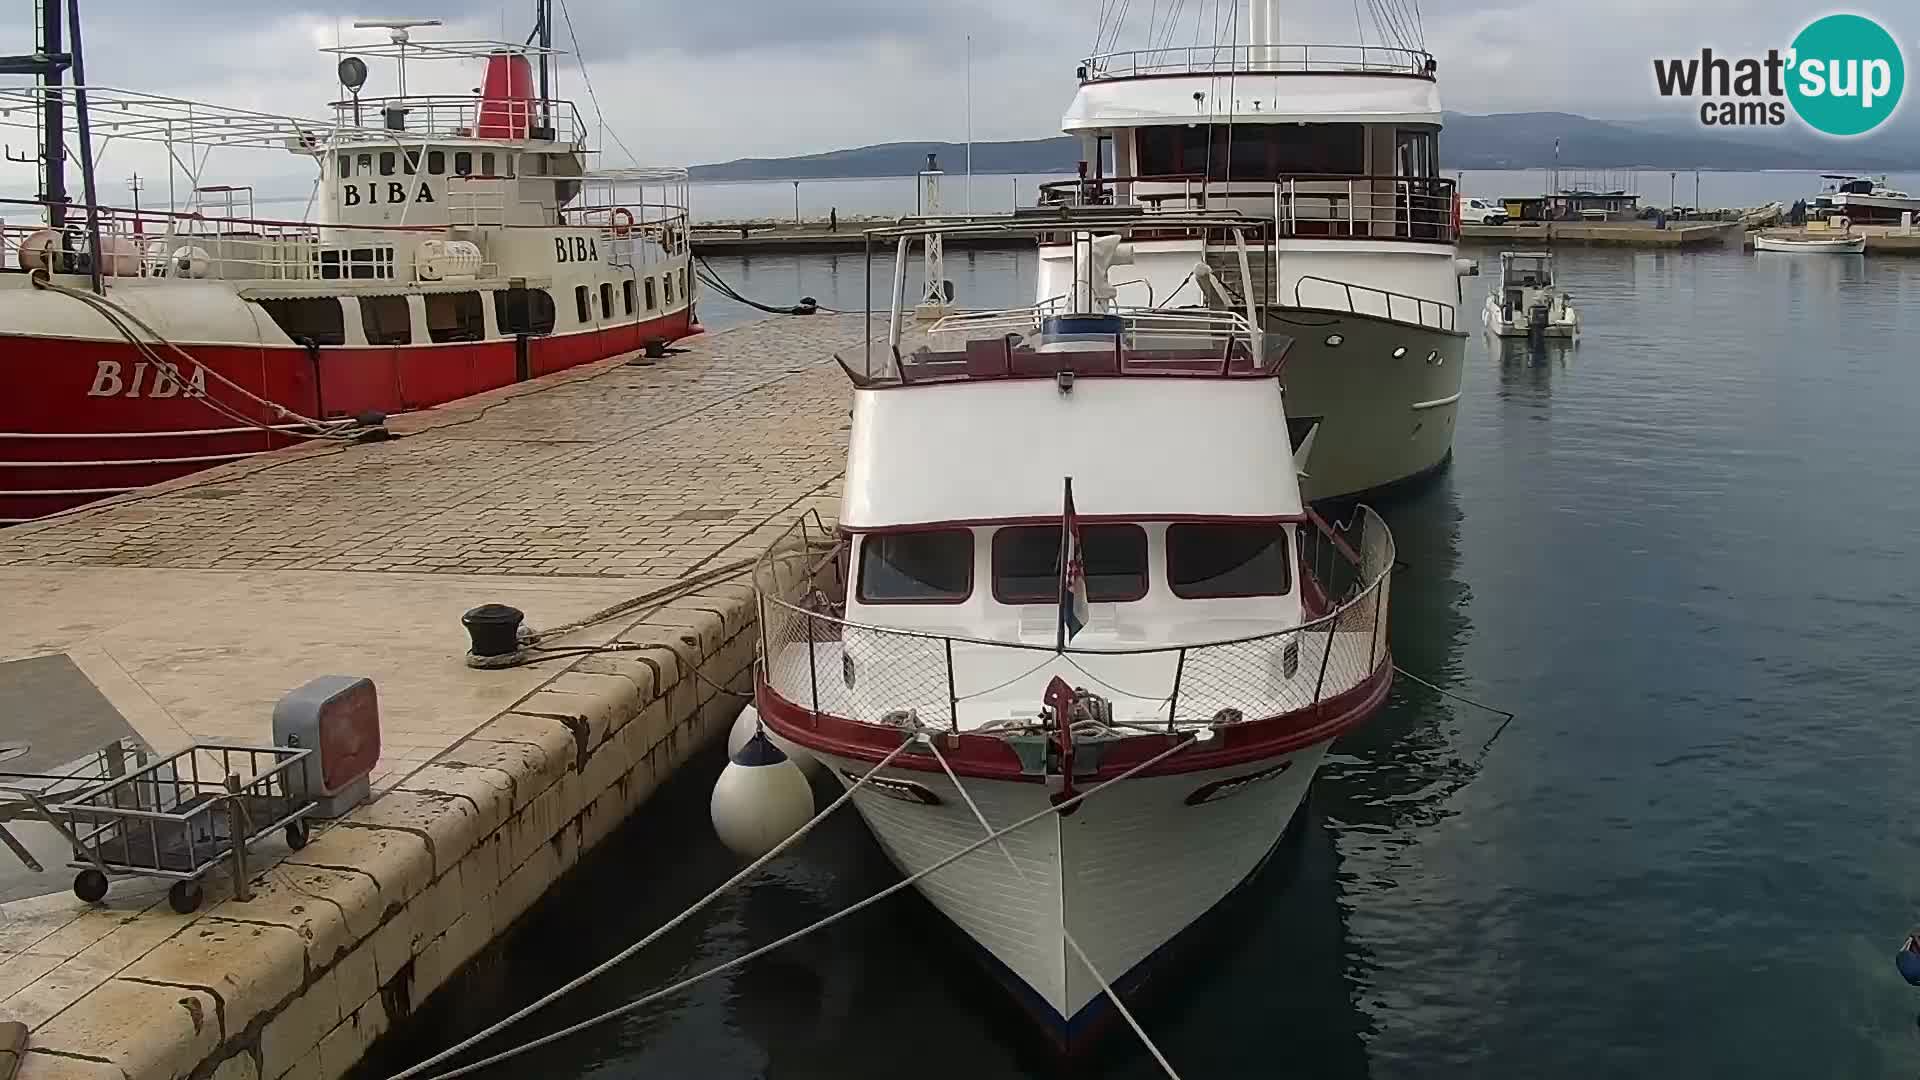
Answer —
1499 141
1055 155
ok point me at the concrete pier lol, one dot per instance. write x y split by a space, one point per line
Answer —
192 608
1637 234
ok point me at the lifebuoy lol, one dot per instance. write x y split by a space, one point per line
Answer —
622 221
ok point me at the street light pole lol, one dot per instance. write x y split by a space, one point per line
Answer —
796 202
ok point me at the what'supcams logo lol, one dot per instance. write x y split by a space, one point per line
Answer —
1842 75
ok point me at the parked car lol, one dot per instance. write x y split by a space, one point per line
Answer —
1482 212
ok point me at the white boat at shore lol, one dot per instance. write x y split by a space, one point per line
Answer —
1109 614
1862 199
1525 301
1811 245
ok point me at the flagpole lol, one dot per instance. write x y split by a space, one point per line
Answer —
1066 523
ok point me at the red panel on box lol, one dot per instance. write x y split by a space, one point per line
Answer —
349 736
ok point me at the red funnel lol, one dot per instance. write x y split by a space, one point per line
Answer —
506 98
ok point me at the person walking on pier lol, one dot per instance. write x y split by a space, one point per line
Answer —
833 219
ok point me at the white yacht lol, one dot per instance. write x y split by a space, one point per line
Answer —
1337 149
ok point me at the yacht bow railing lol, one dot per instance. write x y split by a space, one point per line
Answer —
815 660
1326 294
1258 59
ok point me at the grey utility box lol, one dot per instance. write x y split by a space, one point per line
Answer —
337 717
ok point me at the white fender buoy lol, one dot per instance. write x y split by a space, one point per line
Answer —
748 722
761 798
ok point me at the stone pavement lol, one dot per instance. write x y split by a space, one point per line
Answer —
193 607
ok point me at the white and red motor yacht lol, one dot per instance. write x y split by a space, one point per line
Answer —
1063 554
454 243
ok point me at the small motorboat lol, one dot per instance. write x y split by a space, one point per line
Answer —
1526 303
1809 244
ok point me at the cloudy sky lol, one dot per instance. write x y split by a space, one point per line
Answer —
688 81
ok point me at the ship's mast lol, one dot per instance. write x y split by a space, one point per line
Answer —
1263 28
48 63
543 31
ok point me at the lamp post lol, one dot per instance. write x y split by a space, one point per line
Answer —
796 202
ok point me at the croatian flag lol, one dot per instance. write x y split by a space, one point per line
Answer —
1073 575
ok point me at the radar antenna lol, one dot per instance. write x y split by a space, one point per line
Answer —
396 32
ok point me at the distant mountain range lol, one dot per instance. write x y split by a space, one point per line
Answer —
1499 141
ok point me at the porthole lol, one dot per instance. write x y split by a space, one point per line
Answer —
1433 357
1399 352
1334 340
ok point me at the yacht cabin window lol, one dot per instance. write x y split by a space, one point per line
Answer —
1251 151
1212 561
317 319
346 166
366 164
1026 563
931 567
387 320
455 317
463 163
1416 152
486 163
437 162
523 311
386 163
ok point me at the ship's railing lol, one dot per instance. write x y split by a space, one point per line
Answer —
459 116
1257 59
1314 291
816 660
1228 333
187 246
1358 207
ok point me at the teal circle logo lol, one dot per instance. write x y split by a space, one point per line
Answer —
1847 74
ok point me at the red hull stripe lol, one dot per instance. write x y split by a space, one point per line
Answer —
82 419
989 758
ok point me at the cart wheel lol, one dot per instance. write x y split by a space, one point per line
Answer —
90 885
297 835
185 896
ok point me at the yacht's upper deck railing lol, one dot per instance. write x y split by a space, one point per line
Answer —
1258 60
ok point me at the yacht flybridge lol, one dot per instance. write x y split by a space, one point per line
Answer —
1096 613
1336 147
455 243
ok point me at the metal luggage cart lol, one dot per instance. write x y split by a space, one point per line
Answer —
184 814
33 796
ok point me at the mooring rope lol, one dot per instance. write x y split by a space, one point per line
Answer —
1506 715
933 743
118 316
624 954
692 980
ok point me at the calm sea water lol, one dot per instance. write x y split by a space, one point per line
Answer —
1681 551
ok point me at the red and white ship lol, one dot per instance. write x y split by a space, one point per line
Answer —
1186 672
453 244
